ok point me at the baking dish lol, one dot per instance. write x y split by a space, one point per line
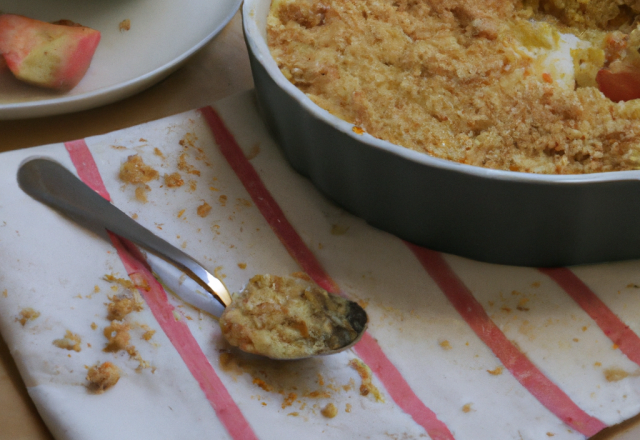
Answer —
489 215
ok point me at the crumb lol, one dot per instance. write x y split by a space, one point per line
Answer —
466 408
188 140
124 25
204 209
135 171
121 305
223 200
289 399
496 371
94 326
253 153
615 374
156 150
173 180
347 408
101 377
262 384
118 337
451 78
186 167
5 293
446 345
367 387
242 265
27 314
329 411
141 193
71 341
148 334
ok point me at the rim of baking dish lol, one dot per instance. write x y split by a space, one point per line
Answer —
253 11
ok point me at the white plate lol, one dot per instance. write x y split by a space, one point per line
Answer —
163 34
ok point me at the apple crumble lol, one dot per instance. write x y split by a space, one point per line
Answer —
516 85
286 318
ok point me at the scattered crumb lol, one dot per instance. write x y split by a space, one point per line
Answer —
242 265
446 345
339 230
223 200
5 293
347 408
262 384
124 25
127 284
357 130
289 399
204 209
121 305
173 180
183 165
466 408
615 374
255 150
181 212
156 150
148 334
94 326
188 140
367 386
497 371
329 411
135 171
71 341
27 314
193 185
102 377
141 193
118 337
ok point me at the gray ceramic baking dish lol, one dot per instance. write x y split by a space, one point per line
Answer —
495 216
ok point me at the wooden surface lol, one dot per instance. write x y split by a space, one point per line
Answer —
220 69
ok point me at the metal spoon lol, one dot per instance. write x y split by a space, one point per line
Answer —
52 184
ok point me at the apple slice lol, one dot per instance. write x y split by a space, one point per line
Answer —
49 55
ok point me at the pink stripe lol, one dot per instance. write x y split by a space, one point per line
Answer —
368 348
177 331
86 166
180 336
616 330
550 395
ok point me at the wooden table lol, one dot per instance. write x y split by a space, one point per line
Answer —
220 69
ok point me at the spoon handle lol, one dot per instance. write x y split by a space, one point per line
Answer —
54 185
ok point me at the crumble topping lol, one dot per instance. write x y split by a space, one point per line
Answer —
505 84
286 318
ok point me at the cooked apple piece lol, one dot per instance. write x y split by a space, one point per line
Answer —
55 56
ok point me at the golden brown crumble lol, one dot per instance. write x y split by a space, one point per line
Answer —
462 80
118 336
71 341
286 317
204 209
121 305
124 25
27 314
329 411
101 377
135 171
173 180
366 387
